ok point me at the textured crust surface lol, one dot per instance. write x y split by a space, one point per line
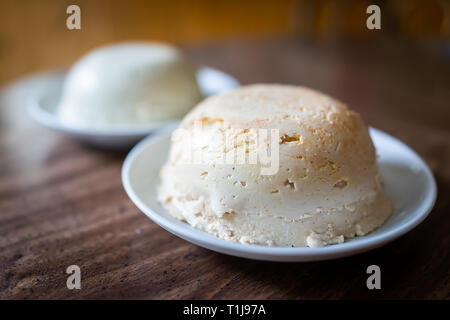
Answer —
327 187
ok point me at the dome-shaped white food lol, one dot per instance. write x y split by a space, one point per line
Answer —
327 186
128 84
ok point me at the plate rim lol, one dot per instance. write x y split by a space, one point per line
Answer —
273 253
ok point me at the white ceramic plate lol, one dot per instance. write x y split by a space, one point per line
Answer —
43 104
407 180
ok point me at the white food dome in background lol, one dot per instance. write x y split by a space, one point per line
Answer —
128 84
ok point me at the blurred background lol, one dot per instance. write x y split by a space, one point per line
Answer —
33 35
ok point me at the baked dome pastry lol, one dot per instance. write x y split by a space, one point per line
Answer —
128 84
327 186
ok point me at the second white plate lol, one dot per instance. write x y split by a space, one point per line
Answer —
42 106
407 180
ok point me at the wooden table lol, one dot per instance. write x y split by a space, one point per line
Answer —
62 203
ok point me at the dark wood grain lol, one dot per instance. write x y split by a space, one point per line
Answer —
62 203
